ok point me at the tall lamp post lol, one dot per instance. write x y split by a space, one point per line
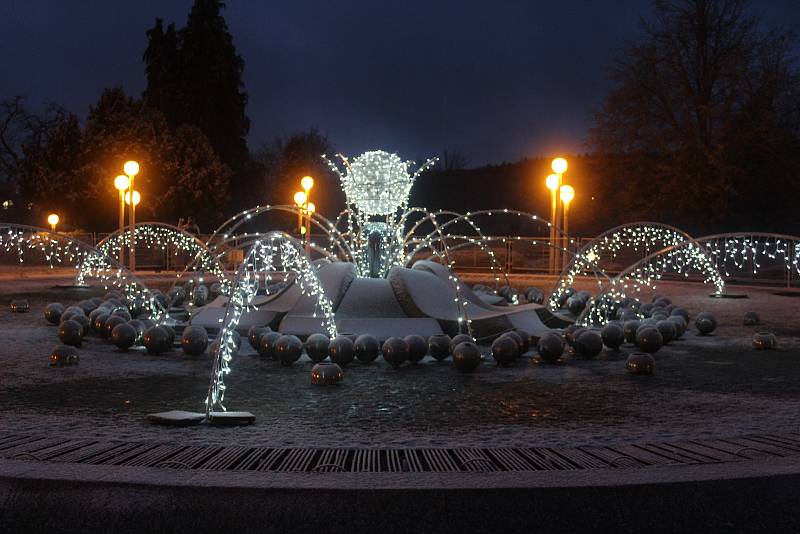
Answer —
307 182
122 183
131 169
559 166
567 193
552 184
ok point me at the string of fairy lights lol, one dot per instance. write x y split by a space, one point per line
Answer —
59 250
158 236
275 252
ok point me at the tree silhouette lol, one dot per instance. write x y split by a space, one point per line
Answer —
699 109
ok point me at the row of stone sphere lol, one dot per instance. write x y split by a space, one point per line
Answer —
344 349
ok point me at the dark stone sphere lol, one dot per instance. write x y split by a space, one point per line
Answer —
122 312
439 346
640 363
176 295
85 323
417 347
75 309
650 321
70 333
526 340
123 336
613 336
215 290
53 311
550 347
667 329
194 340
517 339
367 348
458 339
172 335
140 328
629 329
682 312
751 318
576 304
66 316
565 295
87 306
200 295
288 349
662 302
267 346
97 301
588 344
680 325
254 335
505 350
63 355
99 324
395 351
534 295
326 374
342 350
571 334
111 322
764 340
466 357
113 294
95 313
156 340
649 339
659 317
705 323
647 309
317 347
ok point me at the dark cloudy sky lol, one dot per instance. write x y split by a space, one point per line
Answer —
497 80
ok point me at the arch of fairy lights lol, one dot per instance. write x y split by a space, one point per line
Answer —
640 237
742 251
156 235
274 252
61 250
681 258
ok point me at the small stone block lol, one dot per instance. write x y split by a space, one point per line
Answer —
176 418
231 418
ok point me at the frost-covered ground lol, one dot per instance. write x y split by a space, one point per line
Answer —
704 387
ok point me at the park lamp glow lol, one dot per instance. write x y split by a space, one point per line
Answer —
307 182
300 198
131 168
122 182
52 220
567 193
559 165
136 198
551 182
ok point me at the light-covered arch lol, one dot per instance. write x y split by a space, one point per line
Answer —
643 237
62 250
160 235
681 258
275 252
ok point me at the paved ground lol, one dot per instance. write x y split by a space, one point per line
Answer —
704 387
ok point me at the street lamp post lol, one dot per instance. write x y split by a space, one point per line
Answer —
307 182
52 220
552 184
121 183
559 166
567 193
131 168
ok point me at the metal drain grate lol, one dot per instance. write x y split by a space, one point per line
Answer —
444 460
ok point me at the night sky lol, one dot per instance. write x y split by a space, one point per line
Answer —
497 81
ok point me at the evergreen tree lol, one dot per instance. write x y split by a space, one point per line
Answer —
194 77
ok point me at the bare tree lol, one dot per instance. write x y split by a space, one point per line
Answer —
701 83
